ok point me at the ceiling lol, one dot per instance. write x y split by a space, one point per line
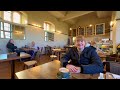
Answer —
71 17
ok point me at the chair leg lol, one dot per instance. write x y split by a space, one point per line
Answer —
28 67
24 67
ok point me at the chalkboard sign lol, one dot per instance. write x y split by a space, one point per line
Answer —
89 30
100 29
81 31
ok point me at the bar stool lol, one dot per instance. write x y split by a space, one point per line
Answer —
53 57
30 64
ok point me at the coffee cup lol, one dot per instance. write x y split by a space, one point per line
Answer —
63 73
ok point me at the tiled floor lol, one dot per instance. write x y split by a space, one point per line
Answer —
5 68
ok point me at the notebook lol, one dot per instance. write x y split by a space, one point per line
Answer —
3 56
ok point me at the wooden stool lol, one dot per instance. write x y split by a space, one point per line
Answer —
53 57
29 64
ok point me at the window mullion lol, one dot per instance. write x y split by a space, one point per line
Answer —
12 16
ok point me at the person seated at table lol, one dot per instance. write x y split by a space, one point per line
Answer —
33 52
12 48
98 50
33 45
82 59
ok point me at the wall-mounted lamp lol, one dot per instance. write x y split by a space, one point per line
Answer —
59 32
111 23
90 25
35 25
70 28
79 27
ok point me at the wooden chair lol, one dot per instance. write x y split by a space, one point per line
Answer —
30 64
111 57
33 63
113 67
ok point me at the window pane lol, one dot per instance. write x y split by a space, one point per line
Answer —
7 34
45 38
44 26
2 35
48 27
49 36
24 36
45 33
7 15
1 25
16 17
6 27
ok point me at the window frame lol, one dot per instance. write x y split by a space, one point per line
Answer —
5 31
47 30
48 38
11 30
19 12
47 24
20 17
10 16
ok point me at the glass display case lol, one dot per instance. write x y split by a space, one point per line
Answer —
106 46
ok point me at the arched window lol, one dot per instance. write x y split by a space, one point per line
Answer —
48 26
11 24
49 29
7 15
16 17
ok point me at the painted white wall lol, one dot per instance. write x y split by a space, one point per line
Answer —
37 34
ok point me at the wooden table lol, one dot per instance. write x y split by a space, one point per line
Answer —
5 58
49 71
27 49
67 48
58 51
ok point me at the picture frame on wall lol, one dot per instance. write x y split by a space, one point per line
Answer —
89 30
100 29
81 31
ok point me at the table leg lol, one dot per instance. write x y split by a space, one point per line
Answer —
59 55
12 69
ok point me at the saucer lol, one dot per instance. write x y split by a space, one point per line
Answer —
59 76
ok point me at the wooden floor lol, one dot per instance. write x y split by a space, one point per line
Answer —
5 68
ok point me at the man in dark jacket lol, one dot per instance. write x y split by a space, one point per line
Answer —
12 48
81 59
10 45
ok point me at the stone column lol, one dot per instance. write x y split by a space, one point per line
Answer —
116 30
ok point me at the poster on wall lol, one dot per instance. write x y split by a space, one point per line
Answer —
100 29
81 31
89 30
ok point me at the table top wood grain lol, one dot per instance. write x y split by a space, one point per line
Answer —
49 71
6 57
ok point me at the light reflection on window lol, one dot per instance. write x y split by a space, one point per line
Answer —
16 17
2 35
7 15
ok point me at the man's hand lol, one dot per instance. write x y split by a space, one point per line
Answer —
73 69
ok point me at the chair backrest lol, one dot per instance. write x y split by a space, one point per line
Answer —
111 57
115 67
41 49
38 54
